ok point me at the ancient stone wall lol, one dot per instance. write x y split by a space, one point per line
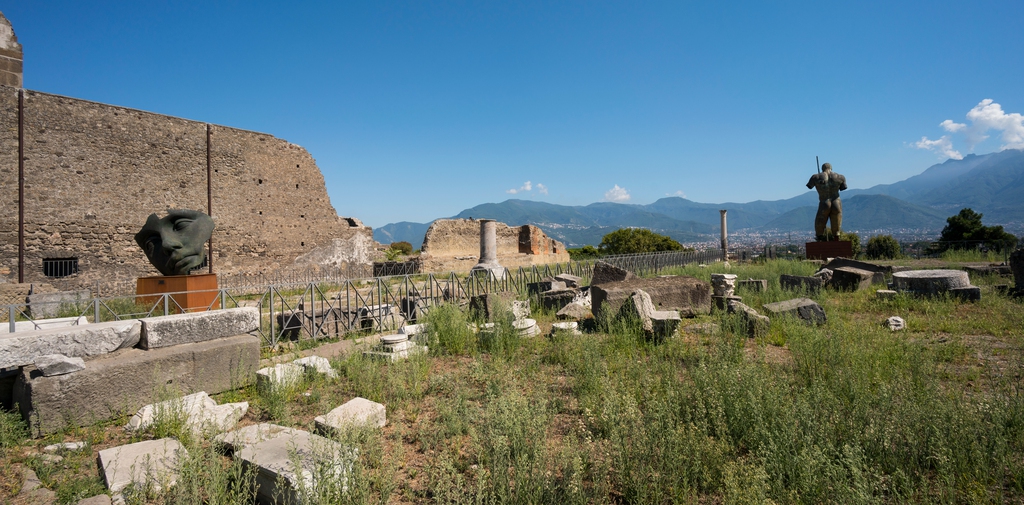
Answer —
454 245
93 172
10 55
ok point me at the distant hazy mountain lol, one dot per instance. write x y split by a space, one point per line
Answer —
992 184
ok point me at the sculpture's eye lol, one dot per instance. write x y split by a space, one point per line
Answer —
151 245
181 224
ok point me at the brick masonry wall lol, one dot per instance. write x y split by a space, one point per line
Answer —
454 245
95 171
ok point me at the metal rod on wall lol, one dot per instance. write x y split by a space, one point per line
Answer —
209 196
21 186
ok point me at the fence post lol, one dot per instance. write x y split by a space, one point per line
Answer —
95 310
10 316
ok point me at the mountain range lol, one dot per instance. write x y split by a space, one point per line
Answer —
992 184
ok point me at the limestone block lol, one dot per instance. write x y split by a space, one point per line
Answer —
46 305
825 274
606 272
722 302
799 282
123 382
895 323
20 349
885 294
573 310
413 329
701 329
291 465
58 364
757 285
150 463
44 324
851 279
164 331
521 309
803 308
687 295
544 285
279 375
967 294
318 363
584 298
1016 262
100 499
571 281
757 324
558 298
723 285
861 265
659 323
487 304
353 413
65 446
199 412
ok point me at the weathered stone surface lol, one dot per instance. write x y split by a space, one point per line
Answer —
657 323
803 308
150 463
319 364
65 446
756 285
701 329
569 327
687 295
862 265
800 282
544 285
757 324
278 376
356 412
573 310
520 309
488 304
199 412
988 269
895 323
1016 262
291 464
930 282
968 294
722 302
58 364
571 281
20 349
413 329
123 382
885 294
851 279
526 327
164 331
43 324
46 305
723 285
606 272
558 298
100 499
33 492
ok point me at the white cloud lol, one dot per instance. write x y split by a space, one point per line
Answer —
678 193
617 194
983 118
542 189
943 145
525 187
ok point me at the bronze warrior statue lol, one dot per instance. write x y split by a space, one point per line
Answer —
828 184
175 243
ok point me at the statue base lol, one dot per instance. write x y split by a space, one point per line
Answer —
193 293
830 249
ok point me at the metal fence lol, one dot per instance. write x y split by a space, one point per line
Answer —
333 305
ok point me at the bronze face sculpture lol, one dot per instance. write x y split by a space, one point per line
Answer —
175 243
828 184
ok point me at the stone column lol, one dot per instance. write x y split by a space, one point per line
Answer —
725 234
489 249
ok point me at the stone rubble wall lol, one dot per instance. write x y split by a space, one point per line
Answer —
454 245
94 172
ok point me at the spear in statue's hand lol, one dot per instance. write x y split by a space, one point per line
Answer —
817 163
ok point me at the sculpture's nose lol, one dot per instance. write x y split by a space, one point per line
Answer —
170 242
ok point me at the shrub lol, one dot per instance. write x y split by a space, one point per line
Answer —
883 247
402 247
637 240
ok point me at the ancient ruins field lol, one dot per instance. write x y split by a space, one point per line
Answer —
846 412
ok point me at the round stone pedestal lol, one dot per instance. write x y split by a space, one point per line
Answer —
930 282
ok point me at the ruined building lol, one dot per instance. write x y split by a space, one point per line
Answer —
93 172
454 245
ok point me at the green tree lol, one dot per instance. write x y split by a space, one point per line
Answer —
965 231
883 247
637 240
585 252
402 247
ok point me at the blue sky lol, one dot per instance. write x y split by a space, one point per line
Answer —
417 110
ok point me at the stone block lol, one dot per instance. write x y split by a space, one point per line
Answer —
861 265
151 463
851 279
58 364
544 285
571 281
687 295
885 294
44 324
800 282
559 298
722 302
123 382
280 375
291 465
803 308
487 304
967 294
756 285
573 310
895 323
526 327
319 364
100 499
757 324
606 272
723 285
656 323
20 349
46 305
200 413
520 309
569 327
356 412
930 282
165 331
1016 261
